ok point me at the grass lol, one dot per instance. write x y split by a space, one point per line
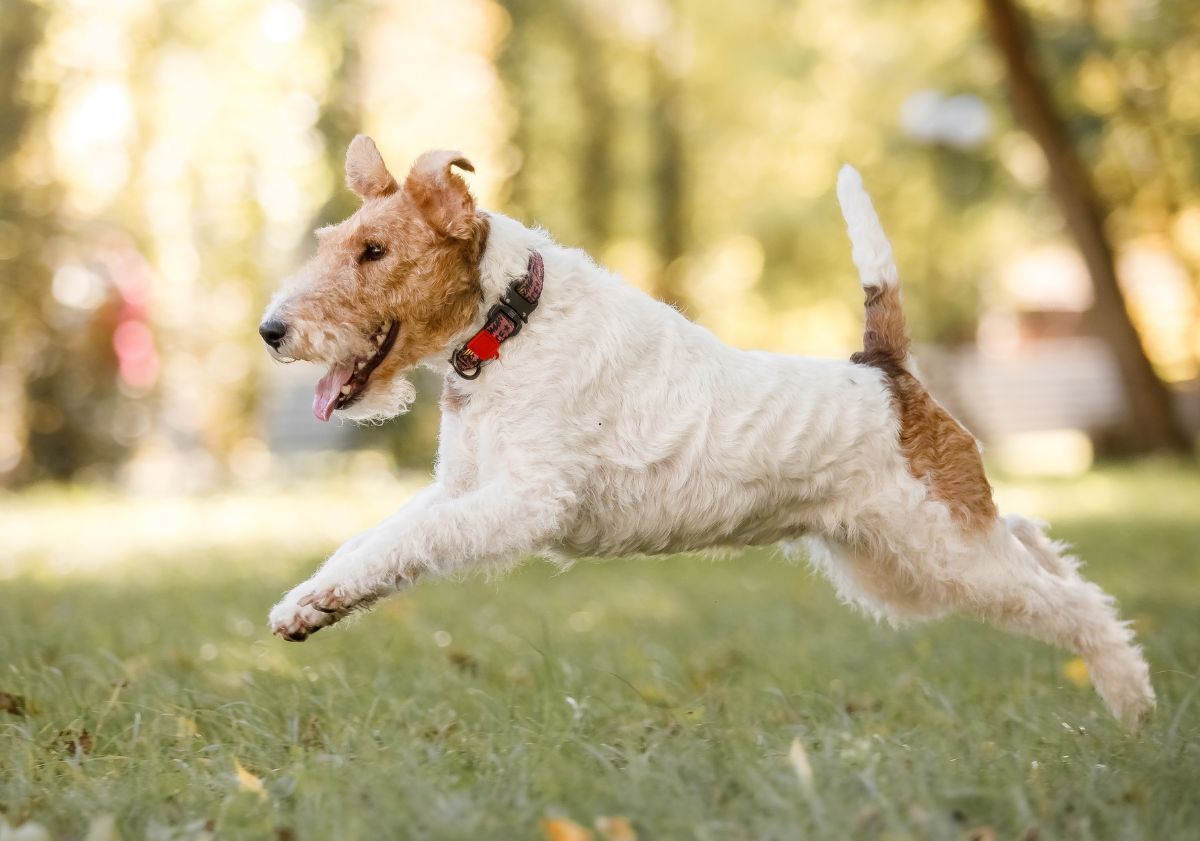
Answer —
669 692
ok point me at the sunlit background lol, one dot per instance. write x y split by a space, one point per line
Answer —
162 166
163 163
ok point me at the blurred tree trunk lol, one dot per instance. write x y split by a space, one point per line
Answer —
341 114
1153 424
510 64
28 221
669 172
23 281
596 177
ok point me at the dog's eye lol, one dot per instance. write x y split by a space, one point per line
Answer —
371 252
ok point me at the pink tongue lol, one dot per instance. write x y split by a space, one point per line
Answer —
329 389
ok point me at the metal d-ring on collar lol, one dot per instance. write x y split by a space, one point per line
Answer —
504 320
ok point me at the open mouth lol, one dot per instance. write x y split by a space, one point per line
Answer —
345 382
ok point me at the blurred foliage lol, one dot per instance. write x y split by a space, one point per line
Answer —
46 352
162 164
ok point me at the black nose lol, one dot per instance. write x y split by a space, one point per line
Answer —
273 332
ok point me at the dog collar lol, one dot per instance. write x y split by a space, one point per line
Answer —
504 320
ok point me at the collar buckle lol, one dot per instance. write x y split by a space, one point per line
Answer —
505 308
464 367
516 304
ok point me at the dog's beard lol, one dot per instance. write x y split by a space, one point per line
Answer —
382 400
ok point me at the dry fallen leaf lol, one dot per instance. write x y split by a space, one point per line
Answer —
464 662
798 756
562 829
76 743
248 781
1076 671
14 704
981 833
655 695
312 731
615 828
185 728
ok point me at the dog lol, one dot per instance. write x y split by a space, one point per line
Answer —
581 418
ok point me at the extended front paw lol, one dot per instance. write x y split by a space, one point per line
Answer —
338 596
319 603
358 575
306 610
295 620
337 600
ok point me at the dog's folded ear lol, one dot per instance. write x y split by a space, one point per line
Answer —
441 195
366 173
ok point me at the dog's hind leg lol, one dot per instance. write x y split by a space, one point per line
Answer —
873 581
1013 577
1018 579
1040 592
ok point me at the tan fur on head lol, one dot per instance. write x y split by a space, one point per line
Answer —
409 255
442 196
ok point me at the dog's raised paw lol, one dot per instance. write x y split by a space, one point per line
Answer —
328 600
293 636
296 622
335 601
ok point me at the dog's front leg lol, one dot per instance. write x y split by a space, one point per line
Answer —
295 621
500 521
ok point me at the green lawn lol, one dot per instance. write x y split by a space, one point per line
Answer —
666 691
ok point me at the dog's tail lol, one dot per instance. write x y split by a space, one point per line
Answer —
885 338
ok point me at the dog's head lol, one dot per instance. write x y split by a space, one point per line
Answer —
387 287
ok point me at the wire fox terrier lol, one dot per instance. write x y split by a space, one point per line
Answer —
581 417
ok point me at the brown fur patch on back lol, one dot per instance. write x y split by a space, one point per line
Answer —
938 449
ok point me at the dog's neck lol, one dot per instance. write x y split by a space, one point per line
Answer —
505 257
